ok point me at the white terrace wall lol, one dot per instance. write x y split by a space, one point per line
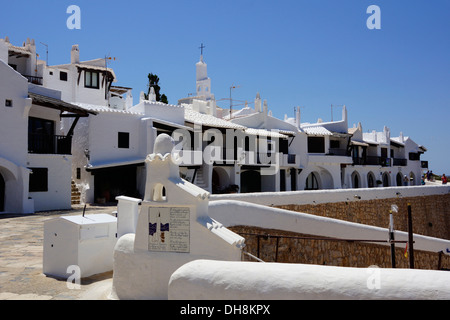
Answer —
333 195
430 206
222 280
339 214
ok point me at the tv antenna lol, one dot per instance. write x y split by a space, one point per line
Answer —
46 45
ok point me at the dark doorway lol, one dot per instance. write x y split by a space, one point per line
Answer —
370 180
282 180
399 179
250 181
113 182
311 182
356 181
293 179
385 180
2 193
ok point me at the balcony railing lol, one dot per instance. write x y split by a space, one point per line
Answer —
34 80
373 161
291 159
400 162
49 144
337 152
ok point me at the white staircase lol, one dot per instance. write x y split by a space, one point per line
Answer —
199 179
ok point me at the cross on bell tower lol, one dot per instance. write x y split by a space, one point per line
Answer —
201 49
203 82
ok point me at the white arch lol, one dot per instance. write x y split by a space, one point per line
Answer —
326 179
412 179
16 187
223 178
386 179
373 183
10 171
313 181
356 180
159 193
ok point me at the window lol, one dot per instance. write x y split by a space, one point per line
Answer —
41 126
284 146
63 76
38 180
78 173
8 103
334 144
316 144
91 79
414 156
41 136
123 140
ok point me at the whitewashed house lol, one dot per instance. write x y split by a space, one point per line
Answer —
14 173
412 166
328 152
87 82
285 139
382 160
35 153
110 148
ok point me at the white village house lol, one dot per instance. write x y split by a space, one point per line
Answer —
248 150
35 154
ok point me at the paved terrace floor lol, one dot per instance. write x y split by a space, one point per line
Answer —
21 252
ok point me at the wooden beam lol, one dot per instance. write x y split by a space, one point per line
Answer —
79 75
71 115
72 128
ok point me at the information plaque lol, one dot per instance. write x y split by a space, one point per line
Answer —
169 229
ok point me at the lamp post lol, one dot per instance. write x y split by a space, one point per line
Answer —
394 208
231 101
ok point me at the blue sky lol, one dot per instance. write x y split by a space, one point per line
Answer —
312 54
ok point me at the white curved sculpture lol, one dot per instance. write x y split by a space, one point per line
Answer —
224 280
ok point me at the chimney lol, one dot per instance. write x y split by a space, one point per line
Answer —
265 107
258 103
297 117
152 95
75 54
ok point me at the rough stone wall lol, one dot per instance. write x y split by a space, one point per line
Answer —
330 252
430 214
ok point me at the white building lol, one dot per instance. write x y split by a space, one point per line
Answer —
382 160
35 154
248 150
110 148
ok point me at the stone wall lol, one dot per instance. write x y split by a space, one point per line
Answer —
290 248
430 214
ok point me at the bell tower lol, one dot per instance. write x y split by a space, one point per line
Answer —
203 83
